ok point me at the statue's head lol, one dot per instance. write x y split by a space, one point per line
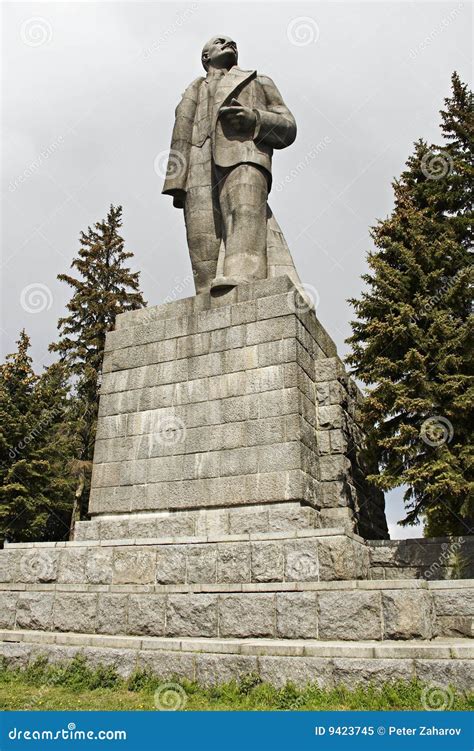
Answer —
219 52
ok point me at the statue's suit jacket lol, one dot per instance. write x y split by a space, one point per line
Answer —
195 122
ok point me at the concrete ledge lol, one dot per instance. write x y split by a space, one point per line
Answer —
436 649
350 585
197 539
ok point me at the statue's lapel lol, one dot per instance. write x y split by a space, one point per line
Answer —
234 79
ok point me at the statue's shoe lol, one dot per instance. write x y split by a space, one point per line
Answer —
225 283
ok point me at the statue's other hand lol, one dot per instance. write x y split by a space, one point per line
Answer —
240 119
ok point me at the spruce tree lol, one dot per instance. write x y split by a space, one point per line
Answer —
412 340
37 444
103 288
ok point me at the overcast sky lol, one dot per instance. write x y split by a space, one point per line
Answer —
88 97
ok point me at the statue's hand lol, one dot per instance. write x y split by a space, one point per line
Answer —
240 119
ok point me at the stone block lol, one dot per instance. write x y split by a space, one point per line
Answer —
342 558
112 614
244 521
134 566
146 615
408 615
16 656
171 564
334 467
247 615
243 312
37 565
328 369
454 602
217 669
175 525
353 616
35 611
191 615
353 672
301 560
331 418
445 673
8 602
123 660
9 562
212 522
75 612
99 566
72 565
167 665
297 615
300 671
202 563
267 562
455 625
233 562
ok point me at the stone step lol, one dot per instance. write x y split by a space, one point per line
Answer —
301 555
347 611
271 517
444 662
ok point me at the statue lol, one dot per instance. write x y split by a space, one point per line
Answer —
220 171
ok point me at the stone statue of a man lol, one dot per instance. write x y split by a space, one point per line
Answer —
220 167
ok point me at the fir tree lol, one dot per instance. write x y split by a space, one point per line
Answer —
104 287
412 339
37 443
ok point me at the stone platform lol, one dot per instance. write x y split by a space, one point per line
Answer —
233 401
231 528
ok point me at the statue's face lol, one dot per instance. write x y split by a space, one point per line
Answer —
220 52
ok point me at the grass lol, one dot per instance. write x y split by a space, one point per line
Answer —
75 686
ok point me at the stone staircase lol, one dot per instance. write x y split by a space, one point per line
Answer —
281 604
